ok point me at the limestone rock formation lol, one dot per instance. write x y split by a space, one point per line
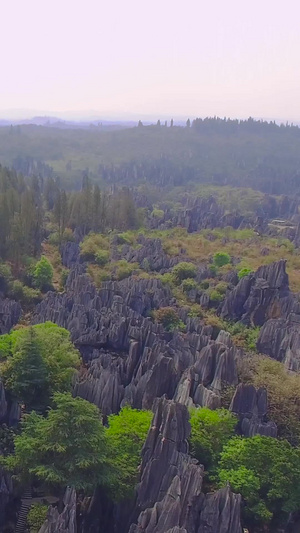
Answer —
280 339
10 312
251 405
169 496
64 522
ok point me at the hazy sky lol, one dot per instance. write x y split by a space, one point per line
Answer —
155 57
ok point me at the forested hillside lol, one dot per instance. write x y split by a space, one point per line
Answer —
149 329
214 151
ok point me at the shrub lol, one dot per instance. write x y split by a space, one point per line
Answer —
168 317
183 271
221 287
189 284
166 279
91 245
5 276
36 517
26 295
215 296
221 258
204 285
64 277
266 471
43 274
244 272
210 431
102 257
157 213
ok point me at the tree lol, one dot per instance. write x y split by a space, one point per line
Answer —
183 270
221 258
188 123
25 375
126 434
38 357
43 274
168 317
210 431
66 448
266 471
172 123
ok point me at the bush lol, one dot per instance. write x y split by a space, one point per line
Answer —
63 277
189 284
221 287
36 517
244 272
221 258
91 245
210 431
266 472
102 257
168 317
157 213
123 269
24 294
214 296
43 274
183 271
204 285
5 277
126 434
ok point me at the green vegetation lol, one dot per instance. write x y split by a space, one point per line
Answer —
126 434
168 317
183 271
39 361
210 431
221 259
66 448
244 272
266 471
43 274
36 517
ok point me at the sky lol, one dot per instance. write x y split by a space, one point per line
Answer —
158 58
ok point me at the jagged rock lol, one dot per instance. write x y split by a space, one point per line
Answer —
3 403
261 296
280 339
220 512
69 252
169 497
6 493
10 312
64 522
251 405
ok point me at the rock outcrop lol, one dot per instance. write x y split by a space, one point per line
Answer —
10 312
261 296
64 522
169 496
251 406
280 339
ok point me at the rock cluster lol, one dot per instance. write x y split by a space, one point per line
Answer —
130 359
169 496
10 312
64 522
251 405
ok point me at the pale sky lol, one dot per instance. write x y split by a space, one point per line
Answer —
158 57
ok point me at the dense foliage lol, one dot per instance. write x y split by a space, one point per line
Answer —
66 448
126 434
266 471
38 361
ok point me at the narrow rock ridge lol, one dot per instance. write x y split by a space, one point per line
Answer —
280 339
10 312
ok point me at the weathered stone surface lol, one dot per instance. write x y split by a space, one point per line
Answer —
251 405
261 296
280 339
69 253
10 312
169 496
64 522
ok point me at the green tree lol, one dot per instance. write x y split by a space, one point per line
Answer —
36 517
126 434
210 431
221 258
66 448
25 375
168 317
266 471
43 274
53 356
183 270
